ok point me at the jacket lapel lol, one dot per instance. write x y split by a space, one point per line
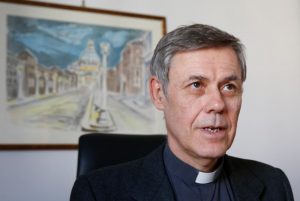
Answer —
153 183
244 183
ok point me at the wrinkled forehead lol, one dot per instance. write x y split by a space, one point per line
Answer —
222 60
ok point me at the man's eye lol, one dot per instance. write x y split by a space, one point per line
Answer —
196 85
232 88
229 87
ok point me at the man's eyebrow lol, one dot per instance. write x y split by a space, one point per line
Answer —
193 78
196 77
232 78
201 78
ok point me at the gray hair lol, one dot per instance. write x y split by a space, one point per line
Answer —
188 38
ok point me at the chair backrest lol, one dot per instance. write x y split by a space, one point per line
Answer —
98 150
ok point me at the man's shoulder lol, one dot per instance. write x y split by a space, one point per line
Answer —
262 171
117 172
248 176
119 180
130 170
127 173
105 183
249 164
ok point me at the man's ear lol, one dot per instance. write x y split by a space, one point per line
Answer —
156 92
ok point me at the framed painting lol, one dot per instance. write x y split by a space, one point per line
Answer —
68 70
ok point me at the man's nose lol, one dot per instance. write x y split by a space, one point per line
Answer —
214 102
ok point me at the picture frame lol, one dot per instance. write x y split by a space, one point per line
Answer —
70 70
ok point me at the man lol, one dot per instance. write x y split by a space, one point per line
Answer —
197 75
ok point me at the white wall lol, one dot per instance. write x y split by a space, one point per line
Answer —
269 122
37 175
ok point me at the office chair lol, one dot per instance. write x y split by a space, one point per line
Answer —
98 150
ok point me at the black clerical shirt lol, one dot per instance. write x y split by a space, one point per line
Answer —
183 180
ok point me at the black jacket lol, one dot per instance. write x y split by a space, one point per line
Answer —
146 180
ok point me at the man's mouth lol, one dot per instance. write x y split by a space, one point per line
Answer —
213 129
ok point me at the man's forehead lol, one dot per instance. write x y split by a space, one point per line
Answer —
221 62
200 73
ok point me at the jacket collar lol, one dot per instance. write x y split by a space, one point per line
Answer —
153 182
246 186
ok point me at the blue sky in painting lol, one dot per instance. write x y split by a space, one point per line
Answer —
61 43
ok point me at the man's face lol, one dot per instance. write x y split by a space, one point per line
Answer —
202 105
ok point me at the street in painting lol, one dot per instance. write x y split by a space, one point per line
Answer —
77 77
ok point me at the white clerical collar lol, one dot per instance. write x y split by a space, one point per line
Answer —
208 177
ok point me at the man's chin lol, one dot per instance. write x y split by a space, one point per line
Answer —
214 154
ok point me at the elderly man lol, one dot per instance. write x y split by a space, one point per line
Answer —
197 75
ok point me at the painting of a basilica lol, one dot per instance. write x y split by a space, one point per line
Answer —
77 77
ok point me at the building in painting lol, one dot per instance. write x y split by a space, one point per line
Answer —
87 67
26 78
11 77
132 68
